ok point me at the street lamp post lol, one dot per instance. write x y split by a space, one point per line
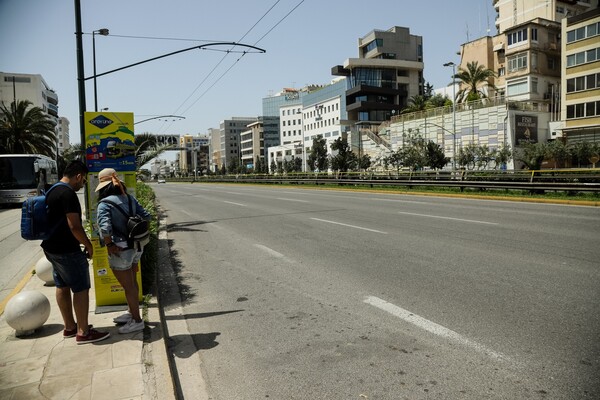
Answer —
103 32
453 65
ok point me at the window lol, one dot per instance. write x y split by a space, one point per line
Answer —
517 62
518 37
534 34
551 63
501 71
374 44
583 57
583 32
591 55
534 60
517 88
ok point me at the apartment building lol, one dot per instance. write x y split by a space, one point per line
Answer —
581 77
225 146
386 74
193 154
63 137
29 87
257 139
511 13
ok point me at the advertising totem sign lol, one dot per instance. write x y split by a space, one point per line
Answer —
109 144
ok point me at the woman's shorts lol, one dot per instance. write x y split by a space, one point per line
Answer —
70 270
124 260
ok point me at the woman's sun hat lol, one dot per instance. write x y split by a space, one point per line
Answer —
106 176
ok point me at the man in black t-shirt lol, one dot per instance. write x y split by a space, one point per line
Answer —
69 261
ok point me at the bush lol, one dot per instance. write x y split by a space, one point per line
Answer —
147 199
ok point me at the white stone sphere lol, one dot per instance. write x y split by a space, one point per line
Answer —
27 311
44 271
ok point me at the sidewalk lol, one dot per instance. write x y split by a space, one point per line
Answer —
44 365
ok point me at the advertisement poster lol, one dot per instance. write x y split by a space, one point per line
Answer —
109 144
109 141
526 129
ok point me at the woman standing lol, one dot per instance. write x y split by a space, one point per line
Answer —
123 260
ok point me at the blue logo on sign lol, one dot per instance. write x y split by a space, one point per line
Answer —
101 121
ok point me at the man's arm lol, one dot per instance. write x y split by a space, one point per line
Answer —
79 233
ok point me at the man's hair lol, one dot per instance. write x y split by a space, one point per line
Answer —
74 168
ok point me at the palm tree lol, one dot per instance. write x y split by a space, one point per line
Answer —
147 149
476 78
417 103
26 130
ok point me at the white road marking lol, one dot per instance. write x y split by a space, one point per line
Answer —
236 193
235 204
299 201
349 226
430 326
406 201
273 253
450 218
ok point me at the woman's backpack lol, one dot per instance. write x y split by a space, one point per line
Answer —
138 229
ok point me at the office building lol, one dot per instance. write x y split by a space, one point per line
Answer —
386 74
581 77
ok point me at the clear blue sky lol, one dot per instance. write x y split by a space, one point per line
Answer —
37 37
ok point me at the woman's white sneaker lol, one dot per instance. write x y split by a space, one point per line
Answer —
132 326
123 319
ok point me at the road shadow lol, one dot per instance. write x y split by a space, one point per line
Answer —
200 315
202 341
187 226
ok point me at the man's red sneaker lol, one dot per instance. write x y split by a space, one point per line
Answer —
92 336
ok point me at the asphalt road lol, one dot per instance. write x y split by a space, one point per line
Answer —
17 256
312 294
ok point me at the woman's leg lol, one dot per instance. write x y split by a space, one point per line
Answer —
127 279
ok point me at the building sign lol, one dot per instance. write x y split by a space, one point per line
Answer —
526 129
109 141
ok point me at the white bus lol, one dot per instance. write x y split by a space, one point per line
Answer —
24 175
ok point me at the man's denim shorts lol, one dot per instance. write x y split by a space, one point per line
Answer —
70 270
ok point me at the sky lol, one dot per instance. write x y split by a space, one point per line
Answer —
303 40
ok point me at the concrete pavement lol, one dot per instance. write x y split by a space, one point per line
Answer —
45 365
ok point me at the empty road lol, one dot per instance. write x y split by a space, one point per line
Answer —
319 294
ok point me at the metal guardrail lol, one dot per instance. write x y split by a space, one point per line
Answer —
572 180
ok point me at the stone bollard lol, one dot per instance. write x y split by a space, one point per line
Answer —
27 311
44 271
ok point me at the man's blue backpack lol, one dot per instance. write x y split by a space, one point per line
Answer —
34 217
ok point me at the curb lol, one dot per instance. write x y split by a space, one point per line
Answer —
184 361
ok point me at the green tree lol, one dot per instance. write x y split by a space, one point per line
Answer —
344 159
531 155
317 159
483 156
258 165
395 160
466 157
364 162
417 103
26 130
414 154
233 167
273 166
502 156
581 152
558 152
438 100
436 158
474 79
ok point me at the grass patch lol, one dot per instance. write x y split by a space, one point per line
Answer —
149 261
